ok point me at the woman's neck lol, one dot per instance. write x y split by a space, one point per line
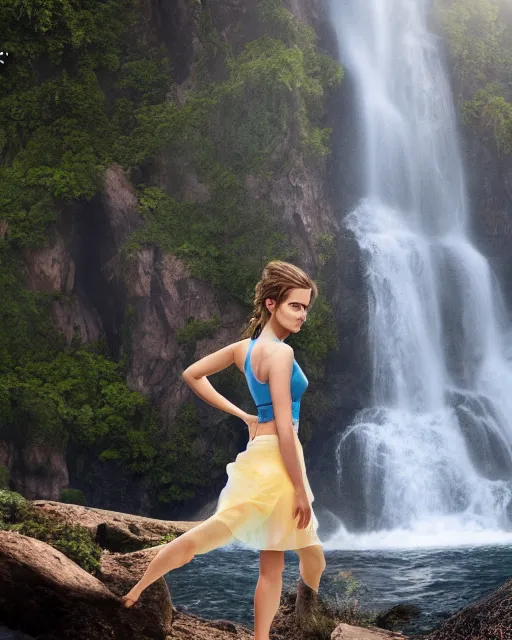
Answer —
269 332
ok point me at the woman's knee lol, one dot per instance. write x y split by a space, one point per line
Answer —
189 545
271 564
321 560
313 558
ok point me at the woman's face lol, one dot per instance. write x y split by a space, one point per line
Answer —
292 312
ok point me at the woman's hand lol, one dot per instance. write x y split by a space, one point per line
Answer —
301 508
250 421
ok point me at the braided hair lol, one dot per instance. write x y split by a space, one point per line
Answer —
277 280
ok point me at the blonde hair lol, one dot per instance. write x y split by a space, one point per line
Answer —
277 280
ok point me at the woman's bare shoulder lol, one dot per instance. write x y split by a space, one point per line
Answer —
272 348
240 344
280 351
240 351
280 360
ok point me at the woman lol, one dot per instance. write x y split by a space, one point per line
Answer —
266 502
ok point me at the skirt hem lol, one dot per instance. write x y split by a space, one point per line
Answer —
316 543
256 503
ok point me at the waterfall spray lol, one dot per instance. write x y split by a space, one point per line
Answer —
434 451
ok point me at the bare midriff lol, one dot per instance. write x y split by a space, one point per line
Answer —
269 428
264 429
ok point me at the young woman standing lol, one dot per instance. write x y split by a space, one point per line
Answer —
266 502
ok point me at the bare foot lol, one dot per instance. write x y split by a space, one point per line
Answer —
130 599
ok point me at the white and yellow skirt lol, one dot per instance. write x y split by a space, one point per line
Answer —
257 502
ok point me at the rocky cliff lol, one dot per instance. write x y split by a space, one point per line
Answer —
139 202
477 41
120 270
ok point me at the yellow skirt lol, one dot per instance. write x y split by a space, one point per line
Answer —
257 501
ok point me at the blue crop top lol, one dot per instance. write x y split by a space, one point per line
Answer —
260 391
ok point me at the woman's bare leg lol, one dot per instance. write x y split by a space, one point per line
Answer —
207 536
312 565
268 592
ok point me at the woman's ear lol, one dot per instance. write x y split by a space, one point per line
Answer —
270 303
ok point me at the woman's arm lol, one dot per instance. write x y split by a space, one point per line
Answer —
196 377
279 376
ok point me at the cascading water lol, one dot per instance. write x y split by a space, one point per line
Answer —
432 458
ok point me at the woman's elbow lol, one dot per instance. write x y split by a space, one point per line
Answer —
189 376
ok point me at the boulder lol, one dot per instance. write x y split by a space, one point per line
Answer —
487 619
115 531
398 614
186 627
348 632
44 592
119 572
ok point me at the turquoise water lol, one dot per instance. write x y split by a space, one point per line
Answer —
439 581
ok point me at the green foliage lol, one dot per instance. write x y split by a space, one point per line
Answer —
273 100
325 249
195 330
126 339
4 477
152 128
12 506
492 114
281 23
57 128
257 103
25 329
474 35
58 29
346 606
275 86
219 244
184 463
479 35
169 537
80 394
72 496
49 393
74 541
85 90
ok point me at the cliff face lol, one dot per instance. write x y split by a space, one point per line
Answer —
477 40
35 470
489 177
138 304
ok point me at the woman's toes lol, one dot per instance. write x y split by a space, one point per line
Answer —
128 601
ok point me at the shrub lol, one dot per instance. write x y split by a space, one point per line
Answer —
12 506
346 607
74 541
4 477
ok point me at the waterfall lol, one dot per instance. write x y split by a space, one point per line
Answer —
431 457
